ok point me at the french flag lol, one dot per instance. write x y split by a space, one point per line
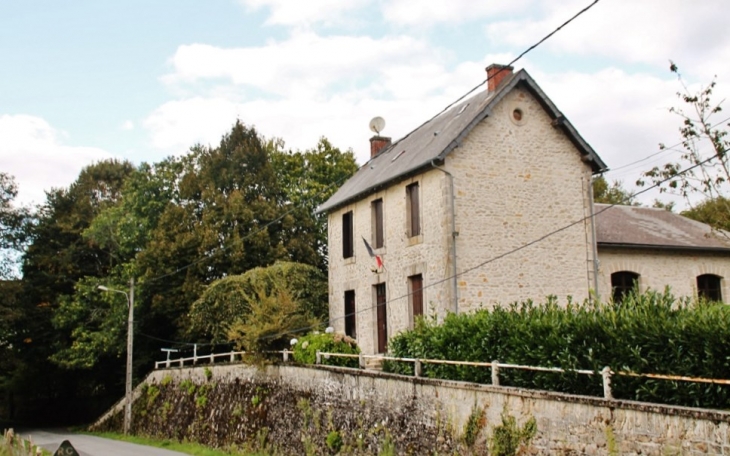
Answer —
378 260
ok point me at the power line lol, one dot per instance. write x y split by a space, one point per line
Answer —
266 226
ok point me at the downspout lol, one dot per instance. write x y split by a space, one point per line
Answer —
594 241
454 234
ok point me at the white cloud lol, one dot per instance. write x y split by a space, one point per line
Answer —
301 66
646 32
299 13
128 125
429 12
33 151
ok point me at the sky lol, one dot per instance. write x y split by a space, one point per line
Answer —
86 80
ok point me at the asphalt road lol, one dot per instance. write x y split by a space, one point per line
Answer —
88 445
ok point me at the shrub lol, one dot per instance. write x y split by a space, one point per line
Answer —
228 300
306 348
646 333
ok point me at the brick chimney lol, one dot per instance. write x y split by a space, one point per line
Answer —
495 74
378 144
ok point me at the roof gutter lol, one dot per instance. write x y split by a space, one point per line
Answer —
454 234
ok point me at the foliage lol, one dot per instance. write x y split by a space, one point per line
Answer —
273 317
334 441
306 348
646 333
14 226
508 439
474 425
227 300
702 171
613 193
714 212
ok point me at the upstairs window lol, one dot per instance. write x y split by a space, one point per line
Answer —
709 287
413 210
377 208
348 246
622 283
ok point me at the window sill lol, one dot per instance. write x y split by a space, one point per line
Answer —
350 260
415 240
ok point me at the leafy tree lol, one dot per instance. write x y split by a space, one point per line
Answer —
228 300
57 257
713 212
702 171
310 178
14 225
614 193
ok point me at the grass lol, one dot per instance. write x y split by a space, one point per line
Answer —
12 445
195 449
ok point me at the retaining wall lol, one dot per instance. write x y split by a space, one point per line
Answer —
296 409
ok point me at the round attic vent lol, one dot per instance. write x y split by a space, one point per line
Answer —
517 114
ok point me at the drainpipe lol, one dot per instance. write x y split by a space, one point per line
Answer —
454 233
594 241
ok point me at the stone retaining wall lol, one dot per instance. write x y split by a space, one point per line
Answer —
296 409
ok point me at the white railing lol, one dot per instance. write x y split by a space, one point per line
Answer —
230 357
606 373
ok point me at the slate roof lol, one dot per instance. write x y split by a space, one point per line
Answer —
435 139
646 227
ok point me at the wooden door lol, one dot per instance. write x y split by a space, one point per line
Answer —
382 313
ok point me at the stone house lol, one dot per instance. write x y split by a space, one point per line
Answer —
489 202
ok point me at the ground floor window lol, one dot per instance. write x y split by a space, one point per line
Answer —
415 291
622 283
350 314
708 287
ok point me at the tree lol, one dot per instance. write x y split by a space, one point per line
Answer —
14 225
713 212
228 301
702 172
614 193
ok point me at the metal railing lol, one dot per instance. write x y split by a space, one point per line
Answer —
606 373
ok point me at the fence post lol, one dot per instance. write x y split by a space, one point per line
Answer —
417 368
181 362
195 354
319 358
361 360
233 356
495 373
168 362
606 374
286 356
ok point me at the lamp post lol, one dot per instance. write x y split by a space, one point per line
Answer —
130 343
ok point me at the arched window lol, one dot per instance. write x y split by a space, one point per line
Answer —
622 282
708 287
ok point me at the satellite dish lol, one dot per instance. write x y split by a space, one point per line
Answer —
377 124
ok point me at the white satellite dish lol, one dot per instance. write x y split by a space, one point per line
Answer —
377 124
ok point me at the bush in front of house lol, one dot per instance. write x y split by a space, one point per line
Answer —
650 332
306 348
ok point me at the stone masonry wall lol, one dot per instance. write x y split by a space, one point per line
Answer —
660 268
297 410
515 181
427 254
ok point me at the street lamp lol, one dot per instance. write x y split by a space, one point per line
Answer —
130 343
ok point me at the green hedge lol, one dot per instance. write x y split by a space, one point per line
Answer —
647 333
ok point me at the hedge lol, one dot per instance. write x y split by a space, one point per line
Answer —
646 333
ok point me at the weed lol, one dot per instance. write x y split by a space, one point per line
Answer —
474 425
334 441
508 438
208 373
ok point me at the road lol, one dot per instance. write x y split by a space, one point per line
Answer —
89 445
